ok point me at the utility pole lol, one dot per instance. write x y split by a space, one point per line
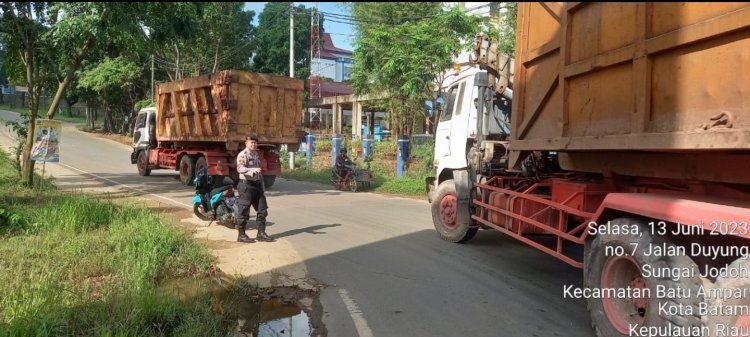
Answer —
291 40
291 63
153 92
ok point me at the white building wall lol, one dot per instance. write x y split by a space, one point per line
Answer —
327 68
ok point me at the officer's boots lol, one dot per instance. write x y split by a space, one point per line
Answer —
262 236
242 236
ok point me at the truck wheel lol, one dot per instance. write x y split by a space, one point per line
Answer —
142 164
444 213
268 180
612 316
724 282
200 163
187 170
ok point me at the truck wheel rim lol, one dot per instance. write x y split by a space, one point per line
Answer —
743 322
621 272
141 163
448 211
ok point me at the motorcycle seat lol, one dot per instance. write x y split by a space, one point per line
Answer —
220 189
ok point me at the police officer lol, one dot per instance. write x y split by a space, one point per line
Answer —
252 191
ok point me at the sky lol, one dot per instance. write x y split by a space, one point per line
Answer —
340 32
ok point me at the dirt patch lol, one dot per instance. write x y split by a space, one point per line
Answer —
122 139
251 313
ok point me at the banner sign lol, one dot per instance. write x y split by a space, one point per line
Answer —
47 141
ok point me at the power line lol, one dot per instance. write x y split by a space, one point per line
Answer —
206 61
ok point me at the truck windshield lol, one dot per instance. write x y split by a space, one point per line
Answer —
447 112
140 121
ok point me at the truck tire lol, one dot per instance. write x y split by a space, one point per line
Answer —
444 214
723 282
268 181
187 170
612 317
142 164
200 163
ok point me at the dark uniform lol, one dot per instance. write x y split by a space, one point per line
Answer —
341 164
252 193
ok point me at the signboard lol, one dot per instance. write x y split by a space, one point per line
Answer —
46 141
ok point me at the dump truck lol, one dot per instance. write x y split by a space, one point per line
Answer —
203 121
617 140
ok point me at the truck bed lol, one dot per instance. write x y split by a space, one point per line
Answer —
225 106
642 82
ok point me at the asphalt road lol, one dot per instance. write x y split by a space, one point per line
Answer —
385 270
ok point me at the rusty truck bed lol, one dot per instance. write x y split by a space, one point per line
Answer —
225 106
667 84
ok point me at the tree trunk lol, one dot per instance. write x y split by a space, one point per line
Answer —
69 77
177 67
27 165
108 123
216 56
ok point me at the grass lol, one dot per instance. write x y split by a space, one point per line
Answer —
77 265
411 184
61 116
386 181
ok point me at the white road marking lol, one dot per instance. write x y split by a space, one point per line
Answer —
129 187
363 330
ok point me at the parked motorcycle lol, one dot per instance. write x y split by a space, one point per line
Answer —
214 204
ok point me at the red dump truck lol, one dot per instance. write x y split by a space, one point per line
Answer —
619 143
202 122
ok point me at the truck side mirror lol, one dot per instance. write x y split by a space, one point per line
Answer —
428 108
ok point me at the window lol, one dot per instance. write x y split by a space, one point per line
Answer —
460 98
140 121
447 111
347 72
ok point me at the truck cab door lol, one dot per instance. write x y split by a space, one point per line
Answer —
452 130
140 134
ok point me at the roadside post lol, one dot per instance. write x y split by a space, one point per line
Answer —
335 147
402 154
309 152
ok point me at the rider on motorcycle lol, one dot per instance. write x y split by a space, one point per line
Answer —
343 165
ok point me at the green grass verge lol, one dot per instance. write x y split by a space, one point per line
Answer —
43 110
74 265
409 184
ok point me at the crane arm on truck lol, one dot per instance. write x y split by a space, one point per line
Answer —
498 65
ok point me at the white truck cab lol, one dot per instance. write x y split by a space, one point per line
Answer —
457 124
144 137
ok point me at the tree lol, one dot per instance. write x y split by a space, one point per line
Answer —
272 53
109 80
508 28
401 49
51 41
189 39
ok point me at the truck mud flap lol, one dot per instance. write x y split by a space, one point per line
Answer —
463 188
429 187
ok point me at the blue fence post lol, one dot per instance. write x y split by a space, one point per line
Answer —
402 154
366 145
335 147
310 149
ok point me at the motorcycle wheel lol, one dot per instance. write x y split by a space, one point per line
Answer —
353 183
199 212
